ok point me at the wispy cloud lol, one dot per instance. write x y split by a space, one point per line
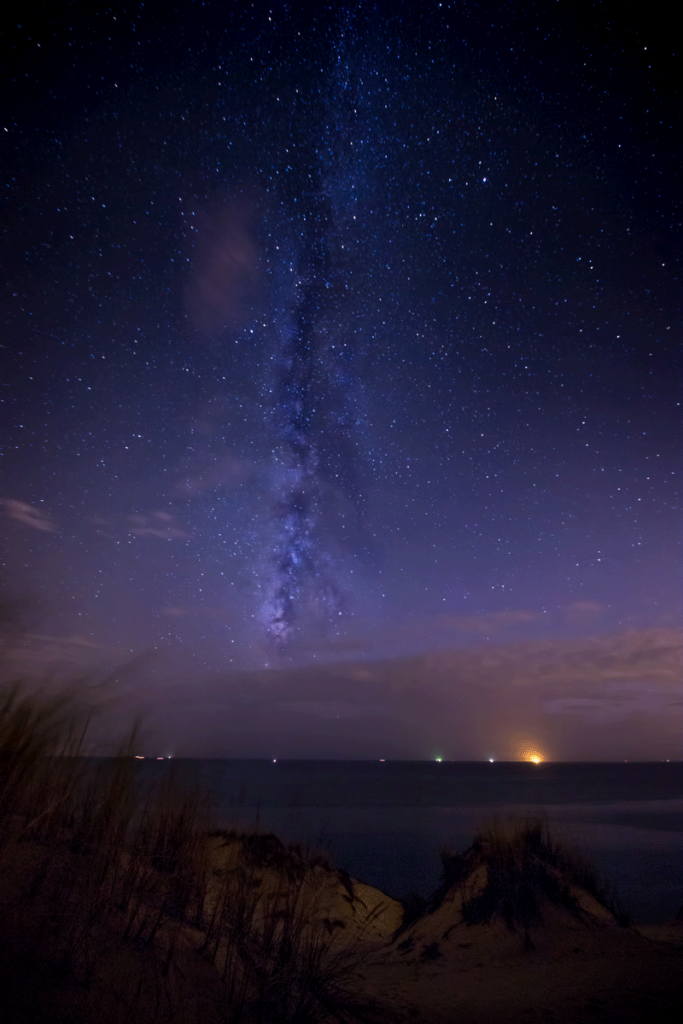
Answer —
332 709
158 524
74 640
438 630
42 652
29 515
197 611
584 610
226 472
488 622
226 261
615 706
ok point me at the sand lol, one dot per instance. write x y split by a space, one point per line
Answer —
572 967
441 970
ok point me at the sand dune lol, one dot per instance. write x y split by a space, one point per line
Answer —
565 959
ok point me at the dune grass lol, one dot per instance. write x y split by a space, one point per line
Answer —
111 911
526 868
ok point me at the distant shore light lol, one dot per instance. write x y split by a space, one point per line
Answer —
533 755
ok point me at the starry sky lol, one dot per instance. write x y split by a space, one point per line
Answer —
338 333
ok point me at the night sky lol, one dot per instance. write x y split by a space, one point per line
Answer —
340 334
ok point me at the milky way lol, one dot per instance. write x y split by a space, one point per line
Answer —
315 416
299 570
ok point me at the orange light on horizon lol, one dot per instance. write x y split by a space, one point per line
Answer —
533 755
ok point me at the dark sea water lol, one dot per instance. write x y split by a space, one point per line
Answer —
385 822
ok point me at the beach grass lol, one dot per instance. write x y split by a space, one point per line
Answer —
112 908
521 868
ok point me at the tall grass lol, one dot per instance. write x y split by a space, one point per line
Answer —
96 872
526 869
31 732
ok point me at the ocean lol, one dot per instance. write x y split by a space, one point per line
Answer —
385 822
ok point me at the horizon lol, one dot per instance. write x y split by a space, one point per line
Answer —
557 700
368 760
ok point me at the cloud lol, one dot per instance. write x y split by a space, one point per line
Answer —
36 518
74 640
105 527
227 472
225 256
435 630
175 612
488 622
68 652
614 707
158 524
337 647
582 610
332 709
200 611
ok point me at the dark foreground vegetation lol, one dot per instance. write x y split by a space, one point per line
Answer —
121 904
527 869
112 911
